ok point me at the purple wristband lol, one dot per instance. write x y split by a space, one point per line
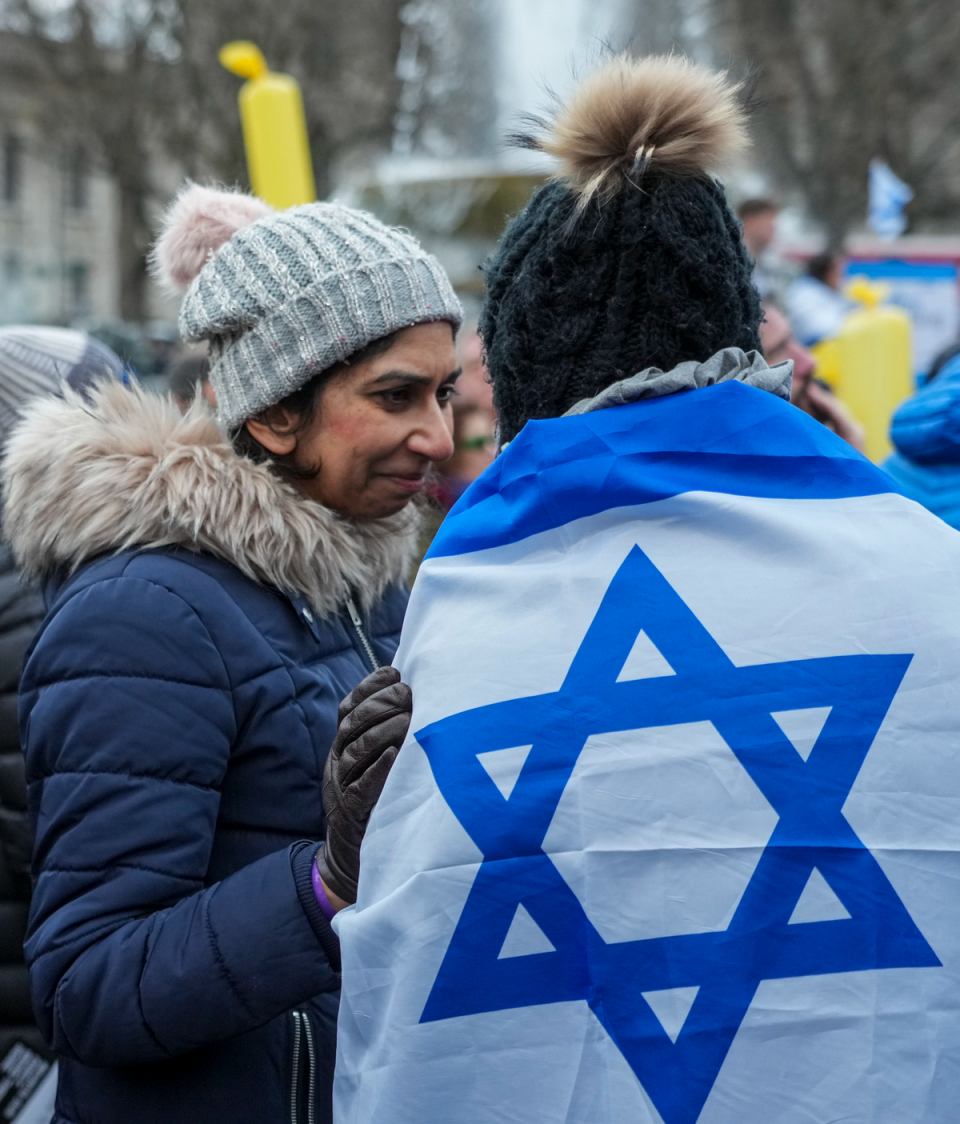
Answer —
320 893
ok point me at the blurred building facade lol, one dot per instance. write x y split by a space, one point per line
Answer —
59 260
57 227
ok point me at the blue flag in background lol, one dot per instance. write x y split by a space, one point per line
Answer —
675 834
888 197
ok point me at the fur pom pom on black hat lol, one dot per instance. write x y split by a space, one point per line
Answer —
630 257
661 114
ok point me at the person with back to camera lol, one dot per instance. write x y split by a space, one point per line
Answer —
215 587
668 839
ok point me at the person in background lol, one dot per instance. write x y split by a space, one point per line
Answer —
940 361
474 435
474 444
187 376
34 361
807 391
161 341
474 422
474 385
925 431
758 218
815 304
216 586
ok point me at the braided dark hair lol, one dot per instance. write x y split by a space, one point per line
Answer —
643 267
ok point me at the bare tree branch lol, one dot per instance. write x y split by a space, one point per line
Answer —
841 83
139 84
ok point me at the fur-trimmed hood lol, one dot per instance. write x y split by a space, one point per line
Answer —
123 468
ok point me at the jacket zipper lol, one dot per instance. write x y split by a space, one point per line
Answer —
295 1083
303 1033
311 1071
358 625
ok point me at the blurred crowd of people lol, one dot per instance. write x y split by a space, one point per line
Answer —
804 306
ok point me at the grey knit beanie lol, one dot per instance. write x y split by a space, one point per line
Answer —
283 295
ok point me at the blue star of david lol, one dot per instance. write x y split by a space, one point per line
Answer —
759 943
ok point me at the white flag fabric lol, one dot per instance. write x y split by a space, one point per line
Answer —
675 835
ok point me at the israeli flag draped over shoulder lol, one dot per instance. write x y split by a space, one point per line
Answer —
675 835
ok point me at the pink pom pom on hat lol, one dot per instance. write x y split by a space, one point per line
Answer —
195 226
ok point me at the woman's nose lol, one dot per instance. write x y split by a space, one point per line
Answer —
433 438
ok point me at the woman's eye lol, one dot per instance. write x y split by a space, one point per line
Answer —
399 396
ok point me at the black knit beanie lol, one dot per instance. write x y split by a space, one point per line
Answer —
631 257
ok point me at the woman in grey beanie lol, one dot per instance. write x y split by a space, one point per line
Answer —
215 587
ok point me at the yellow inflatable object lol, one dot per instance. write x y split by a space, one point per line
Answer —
274 129
868 363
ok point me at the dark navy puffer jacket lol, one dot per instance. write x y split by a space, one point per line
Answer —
21 611
176 715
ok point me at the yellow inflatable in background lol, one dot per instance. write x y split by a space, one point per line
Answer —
868 363
274 129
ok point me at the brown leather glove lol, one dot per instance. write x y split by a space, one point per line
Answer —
374 719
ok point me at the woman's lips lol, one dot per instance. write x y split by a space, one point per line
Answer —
411 484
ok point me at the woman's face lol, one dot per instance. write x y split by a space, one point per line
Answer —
379 426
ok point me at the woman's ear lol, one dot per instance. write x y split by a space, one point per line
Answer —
275 433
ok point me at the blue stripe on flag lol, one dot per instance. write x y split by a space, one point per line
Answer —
729 438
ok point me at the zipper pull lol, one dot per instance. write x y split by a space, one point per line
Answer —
354 615
358 625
